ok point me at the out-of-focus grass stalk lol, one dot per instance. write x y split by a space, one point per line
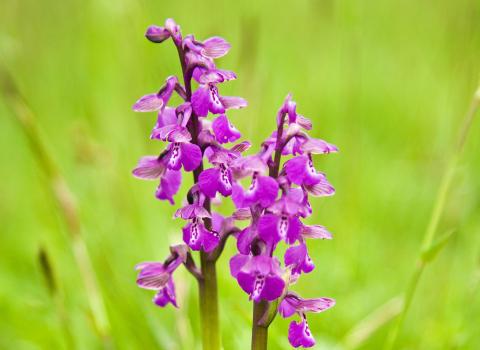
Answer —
54 291
65 200
429 245
366 327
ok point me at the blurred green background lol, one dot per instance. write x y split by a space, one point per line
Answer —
386 81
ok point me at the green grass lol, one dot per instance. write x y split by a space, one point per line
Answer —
386 81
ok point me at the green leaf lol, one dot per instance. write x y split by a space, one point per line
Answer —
431 252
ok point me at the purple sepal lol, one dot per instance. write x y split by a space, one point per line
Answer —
298 259
224 130
157 34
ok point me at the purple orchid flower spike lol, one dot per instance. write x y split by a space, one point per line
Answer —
279 181
259 276
299 333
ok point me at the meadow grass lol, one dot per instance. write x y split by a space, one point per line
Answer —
386 81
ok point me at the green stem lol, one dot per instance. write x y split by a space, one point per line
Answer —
259 331
435 217
209 304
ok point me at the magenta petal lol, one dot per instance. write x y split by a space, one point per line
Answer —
149 168
215 104
317 146
224 131
148 103
296 168
238 196
157 34
200 101
299 334
231 102
215 47
244 240
304 122
166 117
214 76
191 156
297 257
286 308
210 241
208 181
169 185
166 295
293 232
315 305
237 262
152 275
273 289
266 191
315 231
268 228
191 211
246 281
225 181
192 234
321 189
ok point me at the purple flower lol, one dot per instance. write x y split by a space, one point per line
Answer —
292 303
171 124
166 295
224 131
298 259
214 47
152 168
158 276
156 101
289 108
259 276
206 99
299 333
182 153
273 228
282 223
300 171
196 235
263 190
217 179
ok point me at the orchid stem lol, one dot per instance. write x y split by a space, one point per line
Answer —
209 304
435 217
259 331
